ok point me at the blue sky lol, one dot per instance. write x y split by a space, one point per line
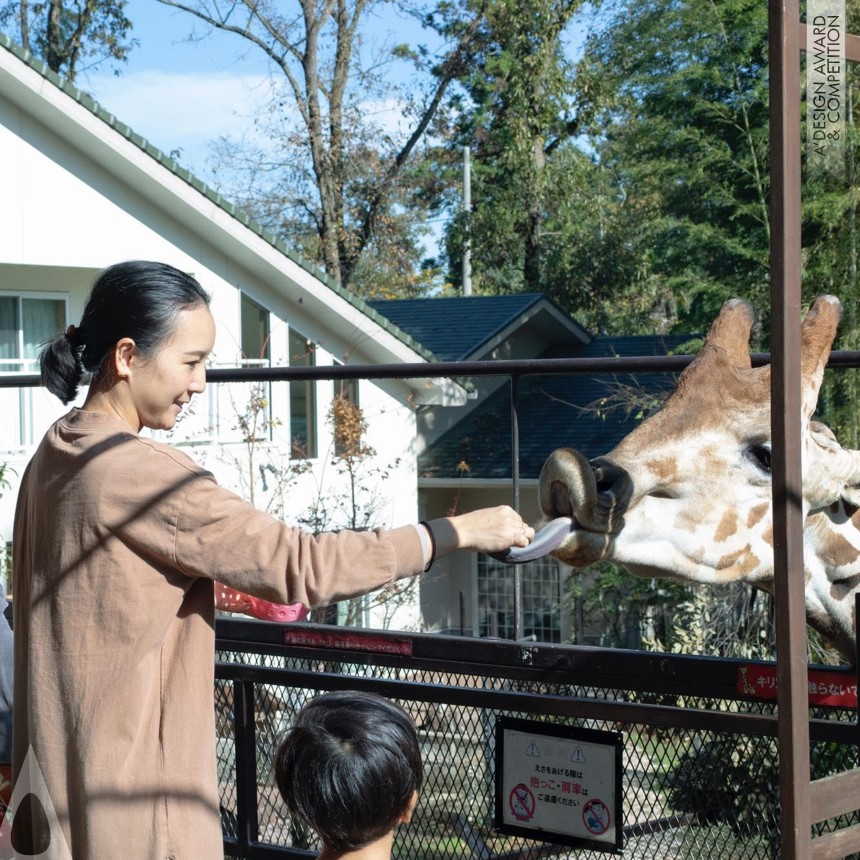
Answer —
180 95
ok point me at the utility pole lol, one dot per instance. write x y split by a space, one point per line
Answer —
467 208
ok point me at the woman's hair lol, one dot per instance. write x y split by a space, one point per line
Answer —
348 767
136 299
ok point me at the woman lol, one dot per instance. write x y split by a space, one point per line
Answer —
118 540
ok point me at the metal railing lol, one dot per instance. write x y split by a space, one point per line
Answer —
700 759
683 714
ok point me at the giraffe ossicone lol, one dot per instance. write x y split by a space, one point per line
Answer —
687 494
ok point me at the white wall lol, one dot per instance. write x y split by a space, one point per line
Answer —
66 213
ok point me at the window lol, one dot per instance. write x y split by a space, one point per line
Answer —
541 599
253 405
27 322
255 332
303 429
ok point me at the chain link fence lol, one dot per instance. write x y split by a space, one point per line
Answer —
700 771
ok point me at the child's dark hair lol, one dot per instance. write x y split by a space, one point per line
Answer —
137 299
348 767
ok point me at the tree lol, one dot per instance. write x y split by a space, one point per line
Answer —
68 35
683 131
335 183
830 242
521 107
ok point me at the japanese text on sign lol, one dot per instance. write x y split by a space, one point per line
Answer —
558 783
825 687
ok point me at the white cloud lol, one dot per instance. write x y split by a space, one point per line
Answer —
183 111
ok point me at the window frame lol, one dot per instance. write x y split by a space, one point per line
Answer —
264 359
534 574
311 440
38 295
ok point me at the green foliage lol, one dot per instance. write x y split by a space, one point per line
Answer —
619 609
520 106
729 779
733 620
634 188
71 35
683 131
734 780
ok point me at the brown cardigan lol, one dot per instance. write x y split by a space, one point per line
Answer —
117 542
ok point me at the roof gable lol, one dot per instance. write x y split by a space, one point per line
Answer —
456 328
208 204
554 411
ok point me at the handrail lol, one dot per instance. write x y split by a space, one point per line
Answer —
839 360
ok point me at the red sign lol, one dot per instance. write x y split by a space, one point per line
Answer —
347 642
825 688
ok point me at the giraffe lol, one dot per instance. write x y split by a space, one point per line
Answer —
687 494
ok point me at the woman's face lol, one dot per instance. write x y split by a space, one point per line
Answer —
161 385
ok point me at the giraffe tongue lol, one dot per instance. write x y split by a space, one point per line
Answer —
546 540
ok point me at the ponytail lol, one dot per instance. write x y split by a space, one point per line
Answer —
60 365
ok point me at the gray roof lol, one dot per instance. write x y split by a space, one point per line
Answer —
455 328
554 411
85 100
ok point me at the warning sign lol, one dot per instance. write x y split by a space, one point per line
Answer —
559 784
522 803
596 816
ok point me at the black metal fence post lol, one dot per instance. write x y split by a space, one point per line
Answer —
246 763
515 478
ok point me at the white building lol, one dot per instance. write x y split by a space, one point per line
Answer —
81 191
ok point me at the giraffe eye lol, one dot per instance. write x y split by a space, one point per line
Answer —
760 456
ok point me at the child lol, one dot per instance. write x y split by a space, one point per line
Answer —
350 768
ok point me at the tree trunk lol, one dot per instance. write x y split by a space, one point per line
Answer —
54 55
534 219
25 25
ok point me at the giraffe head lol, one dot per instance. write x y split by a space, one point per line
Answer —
687 494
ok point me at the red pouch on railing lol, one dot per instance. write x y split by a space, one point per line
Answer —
232 600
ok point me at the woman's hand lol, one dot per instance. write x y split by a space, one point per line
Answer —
484 530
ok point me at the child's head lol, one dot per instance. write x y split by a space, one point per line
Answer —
350 767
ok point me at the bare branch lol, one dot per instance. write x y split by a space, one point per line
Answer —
451 67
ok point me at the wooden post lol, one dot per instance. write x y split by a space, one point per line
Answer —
793 733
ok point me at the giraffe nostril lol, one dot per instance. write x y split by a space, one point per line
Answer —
606 475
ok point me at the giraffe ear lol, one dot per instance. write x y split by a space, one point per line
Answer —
727 351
